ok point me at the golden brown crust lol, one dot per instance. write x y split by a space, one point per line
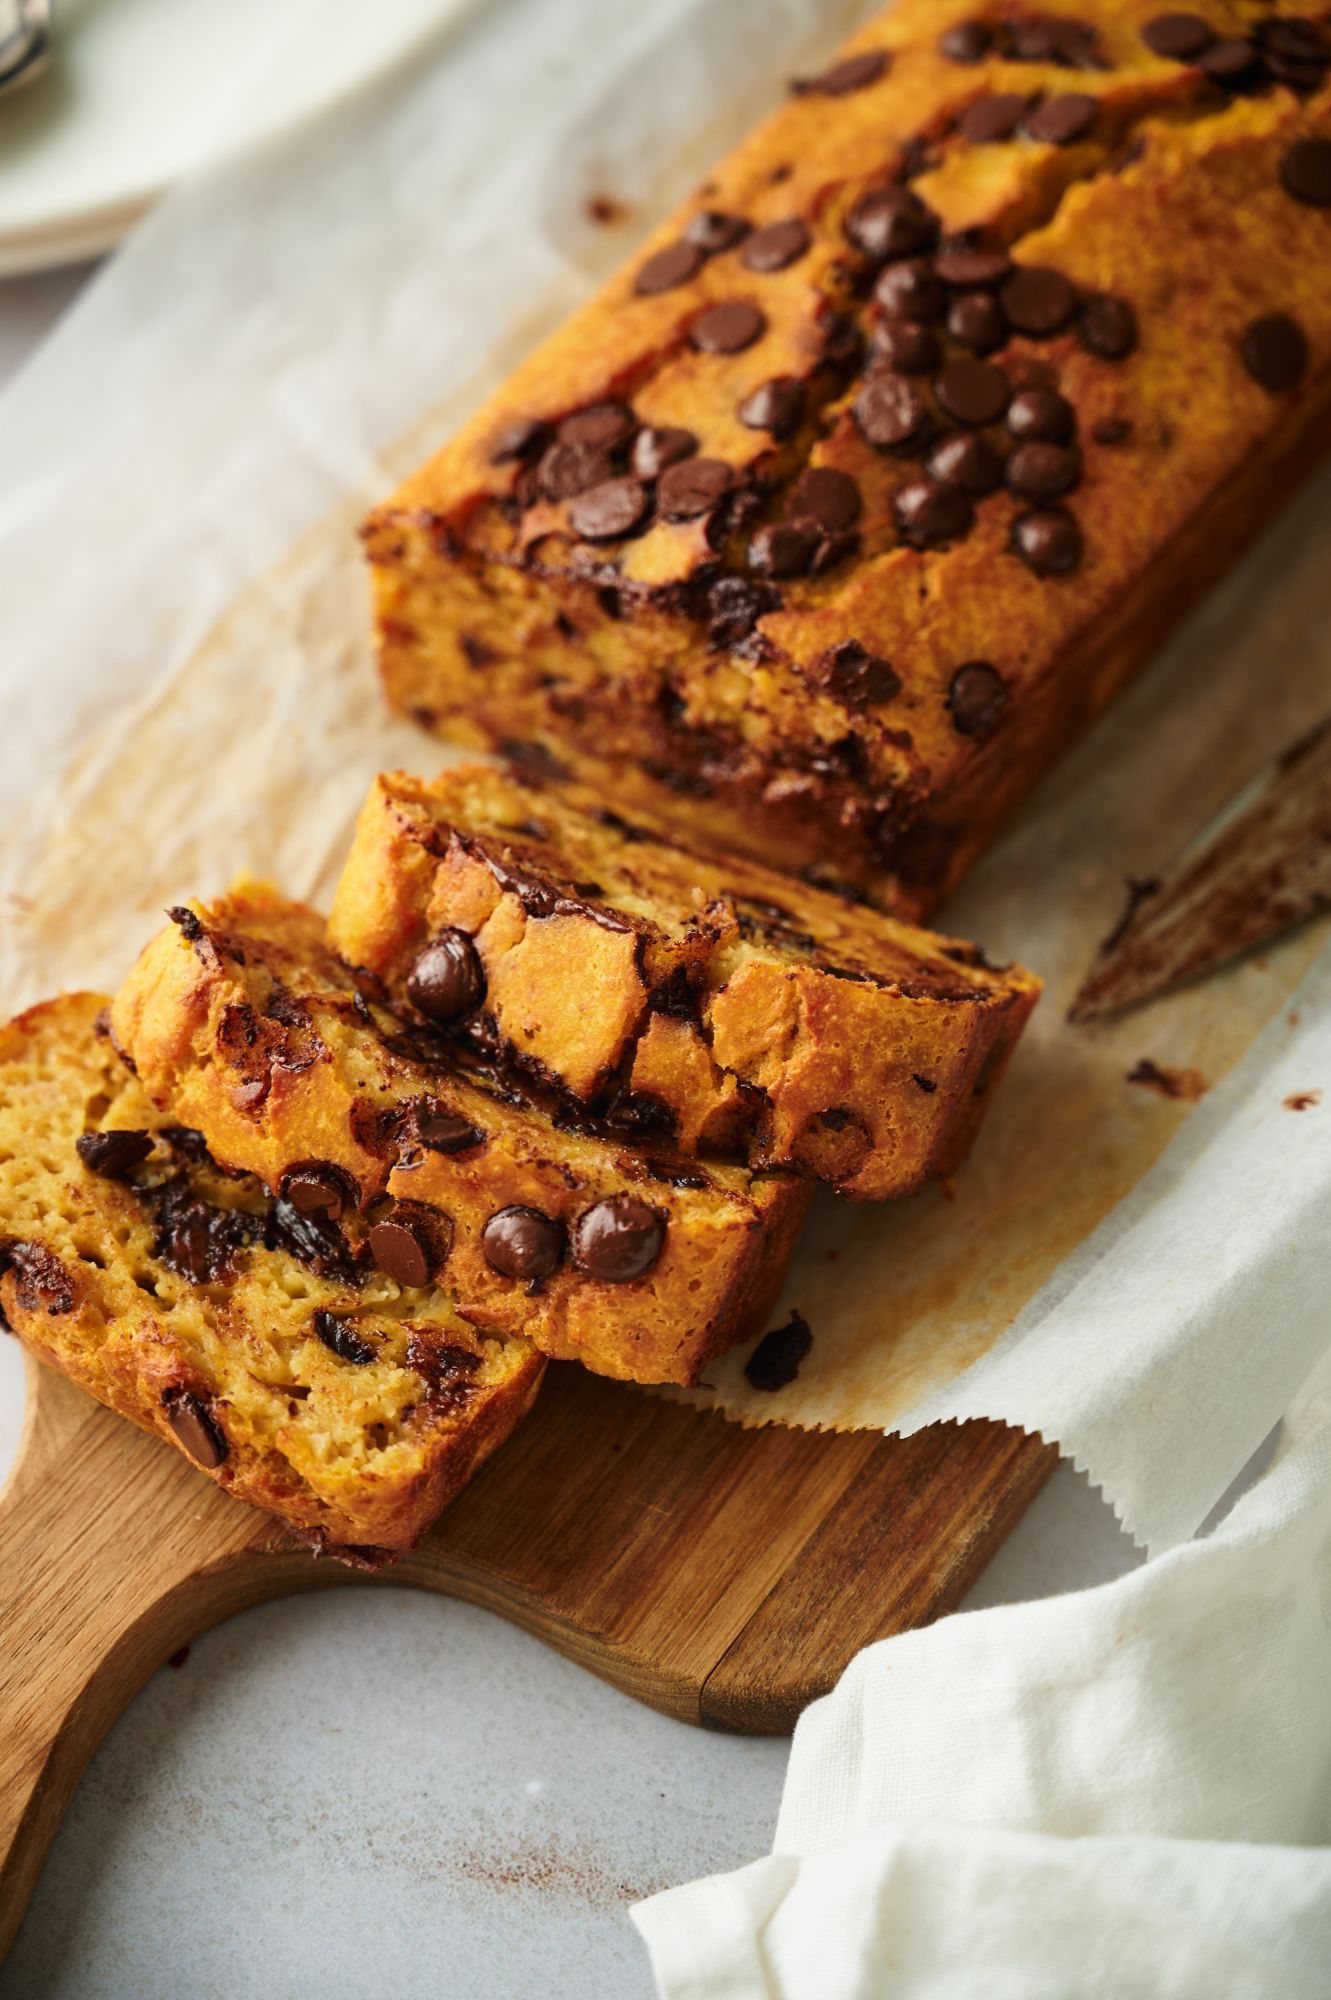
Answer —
765 1019
502 624
241 1019
158 1291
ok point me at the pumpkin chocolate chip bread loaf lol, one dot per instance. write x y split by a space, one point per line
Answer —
864 486
737 1010
630 1259
242 1329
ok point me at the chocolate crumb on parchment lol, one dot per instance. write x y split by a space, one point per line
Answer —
779 1355
1302 1100
1182 1085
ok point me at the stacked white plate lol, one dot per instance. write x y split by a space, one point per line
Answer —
142 91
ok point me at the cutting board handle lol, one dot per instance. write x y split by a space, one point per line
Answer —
102 1578
723 1575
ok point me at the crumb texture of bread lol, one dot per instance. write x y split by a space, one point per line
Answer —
235 1328
743 1012
858 492
614 1252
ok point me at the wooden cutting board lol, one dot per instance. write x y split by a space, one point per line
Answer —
724 1576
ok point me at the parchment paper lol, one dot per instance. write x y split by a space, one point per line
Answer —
189 691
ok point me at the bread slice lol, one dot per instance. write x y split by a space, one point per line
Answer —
226 1323
240 1019
741 1011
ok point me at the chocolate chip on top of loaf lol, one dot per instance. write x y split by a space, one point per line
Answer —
737 1010
246 1330
625 1257
979 361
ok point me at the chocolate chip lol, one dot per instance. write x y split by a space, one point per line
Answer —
1112 430
654 448
713 231
829 498
1048 541
1061 120
976 697
971 267
833 549
1040 471
445 1131
928 511
974 392
1230 62
967 460
776 406
526 491
891 222
196 1241
1275 351
445 1369
1076 44
1178 37
336 1335
608 425
1296 36
1038 300
605 512
318 1245
1042 414
905 345
990 119
618 1239
523 438
522 1243
852 73
854 675
911 291
1305 172
783 549
674 265
114 1155
889 412
976 320
779 1355
734 606
967 42
567 469
318 1188
42 1284
841 342
402 1248
693 487
447 979
1050 38
194 1427
727 329
775 245
1296 52
1107 326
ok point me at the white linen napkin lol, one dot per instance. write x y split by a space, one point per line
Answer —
1113 1794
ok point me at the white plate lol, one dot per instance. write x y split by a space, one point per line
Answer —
142 91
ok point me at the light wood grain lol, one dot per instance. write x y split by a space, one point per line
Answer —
724 1576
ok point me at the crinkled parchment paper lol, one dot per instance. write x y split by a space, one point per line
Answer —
189 691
